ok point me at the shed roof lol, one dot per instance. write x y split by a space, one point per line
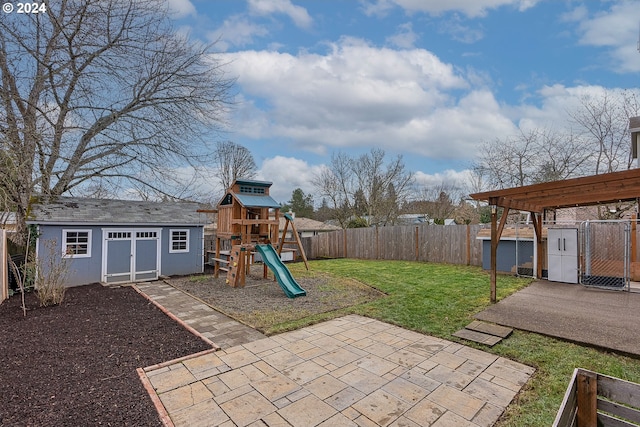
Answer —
585 191
76 210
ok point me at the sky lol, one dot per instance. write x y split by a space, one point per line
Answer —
430 80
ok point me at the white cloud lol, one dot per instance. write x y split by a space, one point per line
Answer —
237 31
405 38
287 174
555 103
577 14
449 132
470 8
298 14
357 95
449 177
376 7
181 8
615 29
460 31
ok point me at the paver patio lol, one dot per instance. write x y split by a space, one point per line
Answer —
351 371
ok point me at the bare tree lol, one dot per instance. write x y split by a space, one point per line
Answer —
103 90
437 202
383 183
604 121
534 156
233 161
335 183
560 156
373 184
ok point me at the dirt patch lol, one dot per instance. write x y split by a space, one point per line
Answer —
75 364
262 304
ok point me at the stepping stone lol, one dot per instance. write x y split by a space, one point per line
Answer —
478 337
490 328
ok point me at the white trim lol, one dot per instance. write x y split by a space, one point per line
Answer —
186 240
65 233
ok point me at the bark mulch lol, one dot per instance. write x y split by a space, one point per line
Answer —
75 364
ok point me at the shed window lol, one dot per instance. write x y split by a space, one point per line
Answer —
179 241
76 243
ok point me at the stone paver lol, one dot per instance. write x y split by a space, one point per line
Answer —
222 330
350 371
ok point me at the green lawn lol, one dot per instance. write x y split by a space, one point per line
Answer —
439 299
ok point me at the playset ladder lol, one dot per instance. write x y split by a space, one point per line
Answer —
237 265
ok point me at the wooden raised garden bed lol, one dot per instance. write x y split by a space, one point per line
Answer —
595 400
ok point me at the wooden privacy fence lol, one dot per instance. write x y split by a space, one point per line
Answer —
451 244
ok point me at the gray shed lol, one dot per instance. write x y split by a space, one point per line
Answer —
120 241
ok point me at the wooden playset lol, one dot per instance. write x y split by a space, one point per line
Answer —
249 217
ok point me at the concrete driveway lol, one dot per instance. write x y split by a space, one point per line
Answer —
600 318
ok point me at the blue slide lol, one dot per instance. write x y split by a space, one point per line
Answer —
283 275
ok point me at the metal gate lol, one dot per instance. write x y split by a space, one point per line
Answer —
606 254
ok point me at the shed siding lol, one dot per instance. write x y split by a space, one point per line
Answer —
82 271
182 263
506 255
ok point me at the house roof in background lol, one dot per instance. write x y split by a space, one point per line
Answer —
307 224
75 210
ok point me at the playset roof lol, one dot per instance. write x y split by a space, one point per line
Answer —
256 201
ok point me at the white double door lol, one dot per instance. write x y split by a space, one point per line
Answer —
130 255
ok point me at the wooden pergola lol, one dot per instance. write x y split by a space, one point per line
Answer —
586 191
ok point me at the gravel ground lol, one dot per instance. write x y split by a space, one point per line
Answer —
262 304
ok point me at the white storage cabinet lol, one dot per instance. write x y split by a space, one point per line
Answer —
562 255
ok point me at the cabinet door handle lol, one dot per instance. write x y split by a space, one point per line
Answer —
559 248
564 244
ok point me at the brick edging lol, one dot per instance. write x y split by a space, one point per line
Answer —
160 409
177 319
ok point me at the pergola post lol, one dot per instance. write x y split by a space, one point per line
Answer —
494 250
496 232
537 227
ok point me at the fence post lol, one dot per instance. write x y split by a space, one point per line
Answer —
344 241
587 397
468 244
417 244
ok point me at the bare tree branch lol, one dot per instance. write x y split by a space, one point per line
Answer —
96 89
369 187
233 161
